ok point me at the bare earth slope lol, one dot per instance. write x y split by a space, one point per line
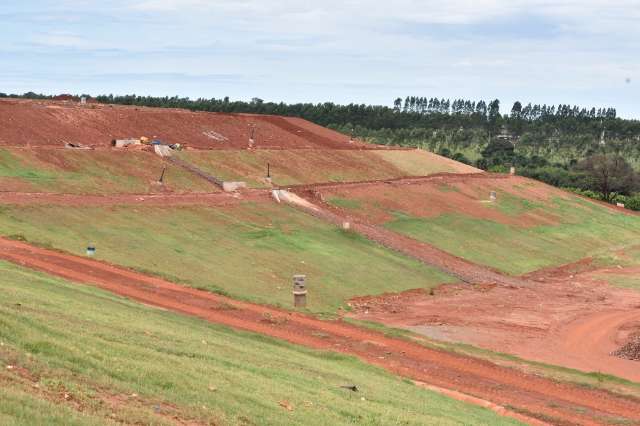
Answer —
47 123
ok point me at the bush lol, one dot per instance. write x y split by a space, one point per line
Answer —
498 169
460 157
556 176
585 193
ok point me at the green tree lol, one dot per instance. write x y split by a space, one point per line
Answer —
498 153
609 173
493 115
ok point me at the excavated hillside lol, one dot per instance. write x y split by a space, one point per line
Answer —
382 234
54 123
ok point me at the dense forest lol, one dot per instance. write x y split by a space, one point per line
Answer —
564 145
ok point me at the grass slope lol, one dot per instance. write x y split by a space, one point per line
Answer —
95 172
248 251
586 229
530 225
313 166
422 163
118 360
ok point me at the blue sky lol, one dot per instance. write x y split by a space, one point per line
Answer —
542 51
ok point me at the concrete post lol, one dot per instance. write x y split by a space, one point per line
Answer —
493 196
512 171
91 250
346 226
299 291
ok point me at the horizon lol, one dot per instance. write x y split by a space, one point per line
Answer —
568 52
504 109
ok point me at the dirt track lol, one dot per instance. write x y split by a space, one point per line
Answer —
542 398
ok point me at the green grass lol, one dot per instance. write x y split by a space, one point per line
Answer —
622 281
585 229
18 407
344 203
98 348
514 206
101 172
249 251
294 167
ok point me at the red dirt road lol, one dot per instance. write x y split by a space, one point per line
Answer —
550 401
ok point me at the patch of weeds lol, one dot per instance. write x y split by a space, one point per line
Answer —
261 233
273 319
545 418
350 234
345 203
224 306
447 188
320 334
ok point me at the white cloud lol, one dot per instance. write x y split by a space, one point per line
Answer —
554 51
166 5
60 39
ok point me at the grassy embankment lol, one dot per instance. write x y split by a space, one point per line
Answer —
80 356
310 166
581 229
94 172
248 251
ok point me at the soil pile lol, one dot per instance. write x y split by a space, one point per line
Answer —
631 350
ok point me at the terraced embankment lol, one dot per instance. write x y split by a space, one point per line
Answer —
96 172
528 227
426 253
314 166
538 397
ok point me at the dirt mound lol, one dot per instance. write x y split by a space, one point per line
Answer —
631 350
49 123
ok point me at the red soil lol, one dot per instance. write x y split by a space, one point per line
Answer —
48 123
557 402
444 193
565 316
549 316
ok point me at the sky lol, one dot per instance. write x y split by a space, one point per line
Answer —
582 52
